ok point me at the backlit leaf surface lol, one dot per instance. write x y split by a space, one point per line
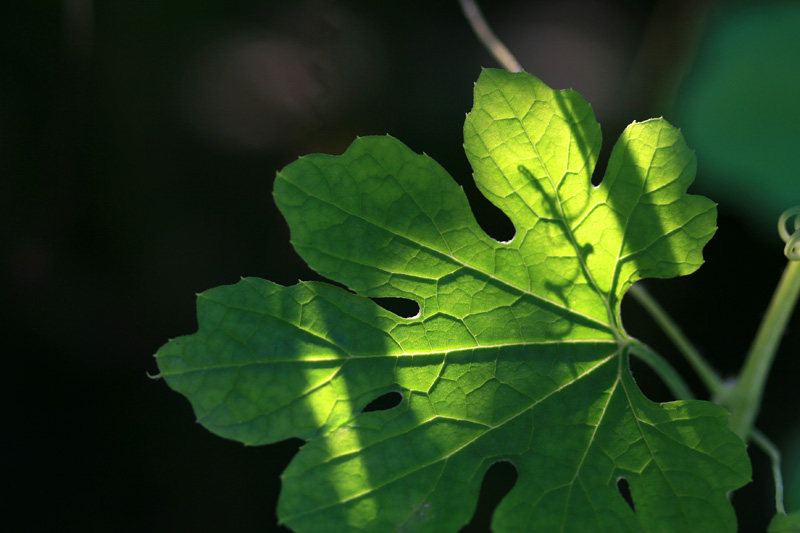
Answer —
517 354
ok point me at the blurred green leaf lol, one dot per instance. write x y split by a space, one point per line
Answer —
740 109
785 523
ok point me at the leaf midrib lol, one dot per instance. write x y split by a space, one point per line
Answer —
350 357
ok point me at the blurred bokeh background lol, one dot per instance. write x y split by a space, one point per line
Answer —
138 145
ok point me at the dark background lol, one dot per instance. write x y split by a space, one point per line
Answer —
138 145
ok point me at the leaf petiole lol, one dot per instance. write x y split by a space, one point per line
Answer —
665 371
707 374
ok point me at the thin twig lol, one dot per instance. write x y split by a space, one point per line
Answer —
487 36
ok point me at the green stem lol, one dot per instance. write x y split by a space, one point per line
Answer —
746 396
665 371
769 448
488 38
707 374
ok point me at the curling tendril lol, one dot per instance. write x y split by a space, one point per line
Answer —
792 240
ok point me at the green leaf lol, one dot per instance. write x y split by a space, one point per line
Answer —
739 108
785 523
517 354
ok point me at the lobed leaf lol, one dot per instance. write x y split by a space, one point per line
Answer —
517 354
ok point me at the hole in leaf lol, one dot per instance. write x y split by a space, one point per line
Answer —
402 307
625 491
497 482
384 403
